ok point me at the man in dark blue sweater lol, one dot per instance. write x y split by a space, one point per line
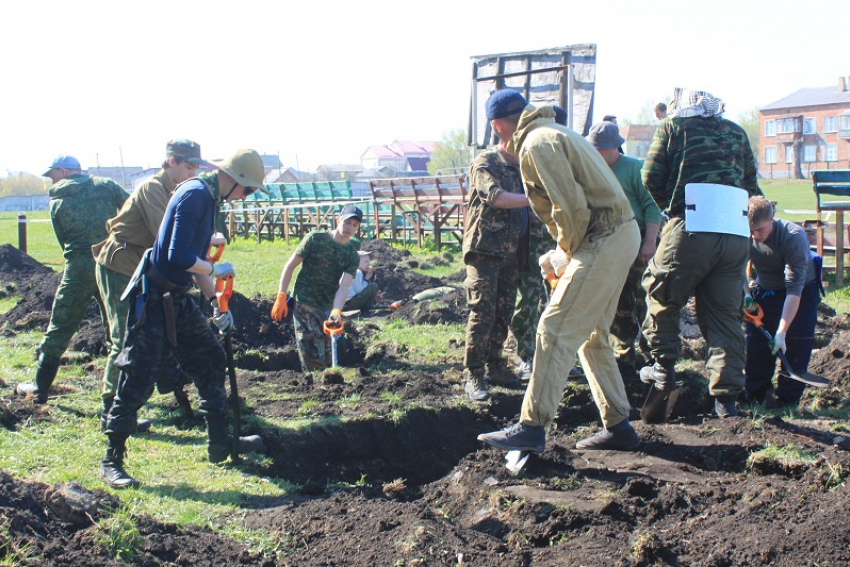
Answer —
165 319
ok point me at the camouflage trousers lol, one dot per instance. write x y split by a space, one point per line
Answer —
532 295
147 351
314 346
491 286
363 300
72 300
711 267
631 311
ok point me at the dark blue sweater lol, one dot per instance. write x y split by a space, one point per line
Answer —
185 232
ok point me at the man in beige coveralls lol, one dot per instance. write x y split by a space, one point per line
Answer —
573 191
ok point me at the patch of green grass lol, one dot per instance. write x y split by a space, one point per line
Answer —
13 552
120 535
41 240
785 453
790 194
308 406
425 344
391 398
351 401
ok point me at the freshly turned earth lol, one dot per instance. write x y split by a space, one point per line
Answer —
382 487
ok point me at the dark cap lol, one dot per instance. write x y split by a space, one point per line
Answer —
560 115
504 103
351 211
605 136
186 150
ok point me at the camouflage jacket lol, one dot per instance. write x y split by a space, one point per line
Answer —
325 260
135 227
490 230
717 151
79 208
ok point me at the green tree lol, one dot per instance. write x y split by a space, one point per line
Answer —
749 121
451 154
645 115
22 184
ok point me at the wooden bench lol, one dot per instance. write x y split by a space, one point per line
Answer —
420 204
832 182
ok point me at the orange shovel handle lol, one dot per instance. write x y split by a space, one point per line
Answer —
223 291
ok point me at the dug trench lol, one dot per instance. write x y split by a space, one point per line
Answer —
389 472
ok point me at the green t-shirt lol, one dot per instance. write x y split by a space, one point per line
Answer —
325 261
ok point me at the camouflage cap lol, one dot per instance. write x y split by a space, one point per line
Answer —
186 150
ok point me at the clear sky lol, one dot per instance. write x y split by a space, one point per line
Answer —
319 81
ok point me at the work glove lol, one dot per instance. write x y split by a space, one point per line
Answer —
335 319
280 310
545 263
778 343
222 271
749 303
222 321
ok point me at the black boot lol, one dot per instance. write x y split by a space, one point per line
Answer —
112 467
142 425
183 403
220 441
44 377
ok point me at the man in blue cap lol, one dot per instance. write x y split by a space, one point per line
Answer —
79 208
495 222
330 263
573 191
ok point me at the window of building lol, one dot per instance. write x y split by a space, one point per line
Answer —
770 154
789 154
810 153
770 128
809 125
845 121
830 123
831 153
789 125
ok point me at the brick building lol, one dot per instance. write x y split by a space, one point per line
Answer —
806 130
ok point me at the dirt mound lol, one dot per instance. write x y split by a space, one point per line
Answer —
18 267
30 528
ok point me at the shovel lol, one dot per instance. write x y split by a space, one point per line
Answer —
515 460
334 333
223 291
805 377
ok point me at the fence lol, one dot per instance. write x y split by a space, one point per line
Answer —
396 209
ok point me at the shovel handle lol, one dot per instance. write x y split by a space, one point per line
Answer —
332 329
223 291
219 250
755 318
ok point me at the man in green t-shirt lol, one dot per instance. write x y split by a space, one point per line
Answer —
330 263
631 309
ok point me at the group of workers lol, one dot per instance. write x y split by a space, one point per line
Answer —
578 208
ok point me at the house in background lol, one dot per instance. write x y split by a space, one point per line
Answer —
337 172
121 175
403 156
288 175
638 138
807 130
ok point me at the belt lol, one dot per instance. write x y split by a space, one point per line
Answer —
164 283
171 289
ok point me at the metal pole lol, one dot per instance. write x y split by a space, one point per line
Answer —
22 232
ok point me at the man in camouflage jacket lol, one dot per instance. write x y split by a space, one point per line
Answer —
697 145
495 221
80 205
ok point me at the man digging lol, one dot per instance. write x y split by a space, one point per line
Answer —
165 320
573 191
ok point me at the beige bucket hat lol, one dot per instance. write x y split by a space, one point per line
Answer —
245 167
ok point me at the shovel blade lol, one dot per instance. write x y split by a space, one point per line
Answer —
804 377
515 460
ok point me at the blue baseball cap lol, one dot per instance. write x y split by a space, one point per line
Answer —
504 103
560 115
63 162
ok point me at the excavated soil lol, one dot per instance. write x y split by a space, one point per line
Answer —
393 474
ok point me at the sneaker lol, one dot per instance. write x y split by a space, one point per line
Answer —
525 369
497 373
517 437
725 409
620 437
659 374
475 386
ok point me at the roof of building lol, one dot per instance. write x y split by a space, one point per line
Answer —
408 147
381 151
270 160
418 163
339 167
811 96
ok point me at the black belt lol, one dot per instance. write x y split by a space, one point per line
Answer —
164 283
